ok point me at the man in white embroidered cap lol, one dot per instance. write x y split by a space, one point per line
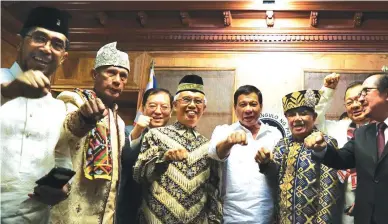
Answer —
180 181
96 156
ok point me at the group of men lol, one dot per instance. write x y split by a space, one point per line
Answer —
158 173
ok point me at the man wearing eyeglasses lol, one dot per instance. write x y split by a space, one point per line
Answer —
366 151
31 120
180 181
156 112
343 131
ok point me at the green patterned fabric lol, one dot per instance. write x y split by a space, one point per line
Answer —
178 192
308 191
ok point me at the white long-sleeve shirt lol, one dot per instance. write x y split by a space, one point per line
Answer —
30 129
247 194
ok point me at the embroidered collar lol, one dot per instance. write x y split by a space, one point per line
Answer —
263 128
181 129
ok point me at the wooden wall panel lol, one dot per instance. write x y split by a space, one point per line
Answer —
8 54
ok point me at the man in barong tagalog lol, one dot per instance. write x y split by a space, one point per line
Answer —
308 190
96 157
180 181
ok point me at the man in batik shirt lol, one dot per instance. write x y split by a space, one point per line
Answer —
181 181
307 190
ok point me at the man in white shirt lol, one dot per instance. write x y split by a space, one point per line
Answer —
32 121
367 152
248 195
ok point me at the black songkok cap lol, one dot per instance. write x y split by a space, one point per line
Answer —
49 18
192 83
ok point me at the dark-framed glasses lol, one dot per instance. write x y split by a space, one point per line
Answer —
188 100
40 38
365 91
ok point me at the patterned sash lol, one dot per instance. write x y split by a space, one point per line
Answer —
343 175
98 155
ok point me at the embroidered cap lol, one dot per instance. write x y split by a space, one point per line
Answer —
192 83
304 98
49 18
109 55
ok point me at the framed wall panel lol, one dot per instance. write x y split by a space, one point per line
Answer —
314 80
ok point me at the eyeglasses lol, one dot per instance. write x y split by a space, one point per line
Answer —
188 100
163 108
365 91
40 38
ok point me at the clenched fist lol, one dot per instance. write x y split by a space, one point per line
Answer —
93 110
263 156
237 137
176 155
143 121
331 81
315 141
30 84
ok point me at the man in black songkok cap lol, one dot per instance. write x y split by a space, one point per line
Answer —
180 181
32 121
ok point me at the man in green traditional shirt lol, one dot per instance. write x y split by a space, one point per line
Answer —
181 181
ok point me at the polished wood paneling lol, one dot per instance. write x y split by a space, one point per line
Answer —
8 54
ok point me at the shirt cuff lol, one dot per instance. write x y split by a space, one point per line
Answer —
321 154
326 92
135 142
213 152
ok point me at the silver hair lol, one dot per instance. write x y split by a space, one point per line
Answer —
177 96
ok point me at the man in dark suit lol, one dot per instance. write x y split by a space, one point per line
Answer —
156 109
367 152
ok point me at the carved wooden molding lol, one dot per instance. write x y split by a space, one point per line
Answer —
142 17
314 18
357 21
227 18
367 6
102 18
269 18
268 38
185 18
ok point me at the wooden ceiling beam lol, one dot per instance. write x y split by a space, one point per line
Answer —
367 6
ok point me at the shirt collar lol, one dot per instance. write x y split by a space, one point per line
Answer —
386 122
263 127
15 70
181 129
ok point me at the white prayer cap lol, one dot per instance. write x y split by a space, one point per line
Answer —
109 55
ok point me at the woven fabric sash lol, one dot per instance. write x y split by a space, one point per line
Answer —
343 175
98 154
